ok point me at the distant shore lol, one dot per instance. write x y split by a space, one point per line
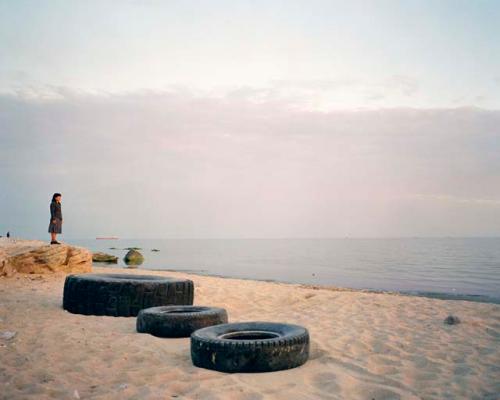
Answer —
364 346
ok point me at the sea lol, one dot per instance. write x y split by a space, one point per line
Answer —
446 268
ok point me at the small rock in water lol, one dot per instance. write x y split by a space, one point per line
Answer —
133 257
451 320
103 257
155 250
7 335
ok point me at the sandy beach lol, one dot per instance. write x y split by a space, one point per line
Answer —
364 346
328 164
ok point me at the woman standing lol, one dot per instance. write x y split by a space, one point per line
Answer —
56 219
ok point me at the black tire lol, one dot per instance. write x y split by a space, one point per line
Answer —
250 347
122 295
178 321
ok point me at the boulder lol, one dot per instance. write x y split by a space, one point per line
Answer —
103 257
133 257
36 257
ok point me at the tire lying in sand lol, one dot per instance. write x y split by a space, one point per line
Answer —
178 321
250 347
122 295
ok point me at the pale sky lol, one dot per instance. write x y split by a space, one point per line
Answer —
251 118
330 54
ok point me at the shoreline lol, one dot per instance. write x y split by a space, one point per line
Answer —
363 345
22 244
429 295
410 267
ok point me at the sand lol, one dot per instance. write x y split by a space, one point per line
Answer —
364 346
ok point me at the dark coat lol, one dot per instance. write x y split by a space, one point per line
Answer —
55 225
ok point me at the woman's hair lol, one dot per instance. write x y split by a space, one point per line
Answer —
55 195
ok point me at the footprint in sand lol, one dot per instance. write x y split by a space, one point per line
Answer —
383 394
249 396
326 382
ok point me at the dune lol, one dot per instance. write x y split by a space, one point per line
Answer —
364 346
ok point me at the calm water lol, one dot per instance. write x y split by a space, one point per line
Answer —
458 268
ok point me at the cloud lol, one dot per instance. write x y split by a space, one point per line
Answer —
323 93
182 164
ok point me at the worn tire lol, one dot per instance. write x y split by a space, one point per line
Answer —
250 347
122 295
178 321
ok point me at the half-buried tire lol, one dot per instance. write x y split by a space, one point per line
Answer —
250 347
122 295
178 321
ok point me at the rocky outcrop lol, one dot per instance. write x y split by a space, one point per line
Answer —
5 267
33 257
103 257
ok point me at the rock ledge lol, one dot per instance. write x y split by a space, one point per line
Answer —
36 257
